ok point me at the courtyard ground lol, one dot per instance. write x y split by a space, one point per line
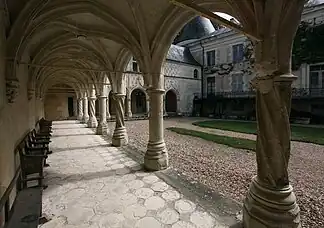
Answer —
229 171
94 185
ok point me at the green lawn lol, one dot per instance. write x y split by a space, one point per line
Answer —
298 133
225 140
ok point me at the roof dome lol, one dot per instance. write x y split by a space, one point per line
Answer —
195 29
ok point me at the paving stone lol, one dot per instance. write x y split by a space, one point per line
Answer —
113 220
184 206
134 212
160 186
169 216
123 171
202 219
78 215
128 199
171 195
183 224
154 203
150 179
135 184
144 193
148 222
106 188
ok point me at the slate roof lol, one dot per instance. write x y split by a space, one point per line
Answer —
195 29
181 54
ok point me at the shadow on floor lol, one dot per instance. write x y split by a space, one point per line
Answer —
59 150
58 135
52 179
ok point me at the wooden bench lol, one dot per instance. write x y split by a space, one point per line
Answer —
27 206
32 163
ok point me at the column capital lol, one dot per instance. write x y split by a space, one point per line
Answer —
265 84
118 95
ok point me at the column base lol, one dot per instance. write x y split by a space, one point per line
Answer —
80 118
129 115
120 137
85 119
92 123
270 208
156 157
108 116
102 129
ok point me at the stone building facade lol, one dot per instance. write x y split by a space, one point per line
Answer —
228 70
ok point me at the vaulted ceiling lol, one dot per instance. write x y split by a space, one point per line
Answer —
101 35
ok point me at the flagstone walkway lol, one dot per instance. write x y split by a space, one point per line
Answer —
91 184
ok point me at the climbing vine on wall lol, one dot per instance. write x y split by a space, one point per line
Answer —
308 45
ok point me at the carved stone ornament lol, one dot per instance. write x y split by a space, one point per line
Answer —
30 94
12 87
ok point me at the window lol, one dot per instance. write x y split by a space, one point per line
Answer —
195 73
135 65
237 82
238 54
316 76
210 85
211 58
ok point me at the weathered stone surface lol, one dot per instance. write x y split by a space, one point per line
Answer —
96 192
148 222
184 206
154 203
202 219
169 216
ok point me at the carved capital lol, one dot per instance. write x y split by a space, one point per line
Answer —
12 88
30 94
265 84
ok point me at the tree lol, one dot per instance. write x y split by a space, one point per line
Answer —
309 3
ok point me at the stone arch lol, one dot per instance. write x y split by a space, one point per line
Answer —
171 101
138 101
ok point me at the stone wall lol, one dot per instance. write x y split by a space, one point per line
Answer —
179 77
16 120
56 107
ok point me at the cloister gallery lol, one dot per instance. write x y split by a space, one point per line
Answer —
87 45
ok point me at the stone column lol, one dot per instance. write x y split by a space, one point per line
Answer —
129 107
164 107
148 107
270 201
156 157
85 118
102 128
92 123
75 107
107 107
80 109
120 137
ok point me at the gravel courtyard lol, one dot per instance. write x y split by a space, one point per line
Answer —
229 171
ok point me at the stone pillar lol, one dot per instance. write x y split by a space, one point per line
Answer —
75 107
129 107
120 137
164 108
80 109
107 107
148 107
85 118
102 128
92 123
270 201
156 157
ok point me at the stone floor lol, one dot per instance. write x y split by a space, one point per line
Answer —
91 184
